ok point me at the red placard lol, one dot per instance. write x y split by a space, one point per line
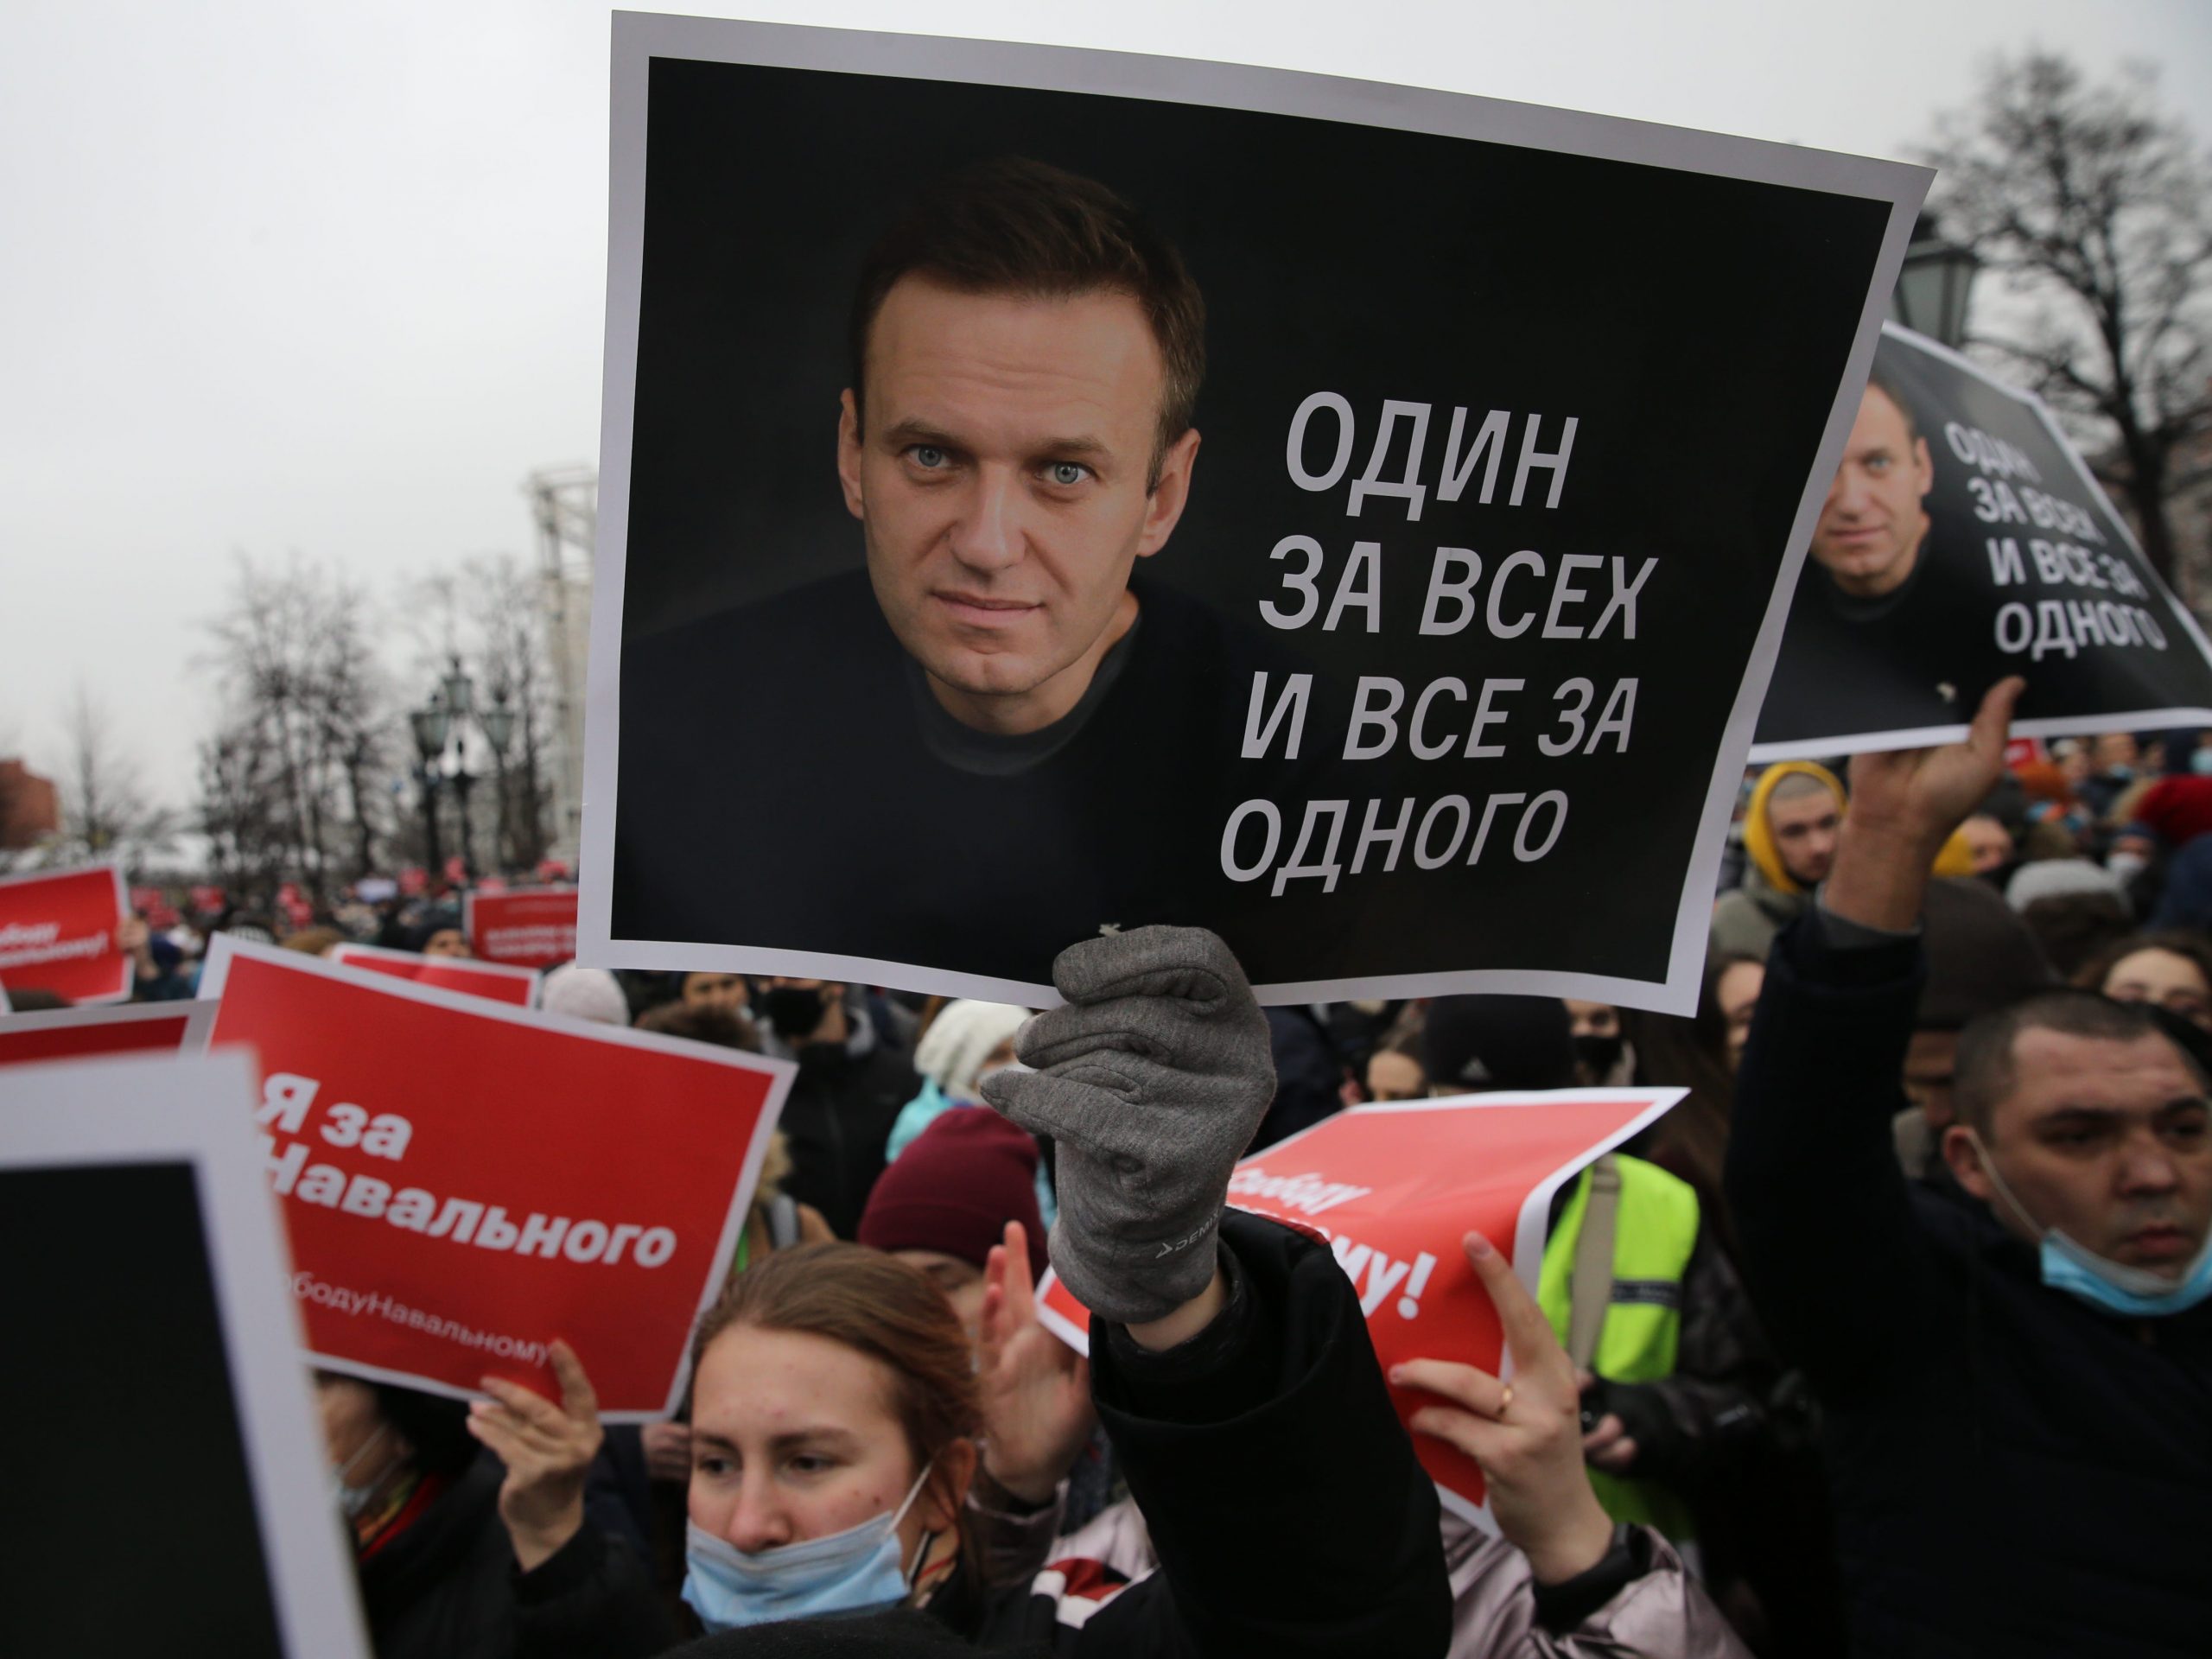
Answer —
154 905
1393 1187
57 931
79 1033
209 901
516 987
534 927
439 1158
2024 751
414 881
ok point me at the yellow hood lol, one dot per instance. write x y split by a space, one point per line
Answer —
1758 834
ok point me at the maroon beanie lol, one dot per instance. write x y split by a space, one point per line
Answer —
955 1187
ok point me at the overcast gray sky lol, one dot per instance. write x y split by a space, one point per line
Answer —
323 278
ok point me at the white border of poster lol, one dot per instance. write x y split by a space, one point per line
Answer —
347 951
198 1019
781 1075
2057 725
125 977
640 37
136 1109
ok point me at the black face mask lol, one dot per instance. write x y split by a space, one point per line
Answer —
793 1010
1599 1055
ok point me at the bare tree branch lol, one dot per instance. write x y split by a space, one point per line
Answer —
2096 207
105 812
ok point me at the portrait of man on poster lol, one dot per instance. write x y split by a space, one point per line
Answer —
1873 527
1000 701
1025 361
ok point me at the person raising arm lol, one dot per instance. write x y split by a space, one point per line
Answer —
2014 1356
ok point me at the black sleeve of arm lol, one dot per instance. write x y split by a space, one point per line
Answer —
1563 1607
1710 1414
590 1599
1290 1515
1830 1249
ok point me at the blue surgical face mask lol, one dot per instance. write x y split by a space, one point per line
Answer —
2119 1289
841 1572
2115 1286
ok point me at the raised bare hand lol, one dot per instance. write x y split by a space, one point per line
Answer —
1527 1435
548 1449
1036 1389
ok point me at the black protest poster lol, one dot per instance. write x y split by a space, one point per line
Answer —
1964 539
123 1398
166 1486
1412 643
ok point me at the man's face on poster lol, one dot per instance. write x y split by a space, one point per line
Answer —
1870 533
1005 480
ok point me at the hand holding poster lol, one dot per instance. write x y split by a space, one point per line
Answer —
463 1183
59 931
1395 1188
81 1033
1345 594
1962 540
518 986
153 1357
529 928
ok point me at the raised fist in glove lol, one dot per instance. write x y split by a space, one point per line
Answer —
1151 1081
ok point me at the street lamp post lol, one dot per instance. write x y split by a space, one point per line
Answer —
432 725
441 728
462 778
499 724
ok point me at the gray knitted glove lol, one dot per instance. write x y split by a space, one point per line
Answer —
1151 1080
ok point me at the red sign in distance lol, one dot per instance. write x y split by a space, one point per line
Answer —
1393 1188
150 903
80 1034
58 932
529 928
516 987
455 1177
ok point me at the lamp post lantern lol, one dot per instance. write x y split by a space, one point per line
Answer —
1934 285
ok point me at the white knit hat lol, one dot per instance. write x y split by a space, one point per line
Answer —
960 1039
585 994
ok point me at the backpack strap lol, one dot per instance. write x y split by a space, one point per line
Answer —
1591 1285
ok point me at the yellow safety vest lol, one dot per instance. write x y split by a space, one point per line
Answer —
1654 1232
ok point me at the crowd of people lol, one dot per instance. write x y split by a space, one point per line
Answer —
1891 1337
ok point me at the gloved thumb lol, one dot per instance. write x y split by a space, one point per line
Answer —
1017 1094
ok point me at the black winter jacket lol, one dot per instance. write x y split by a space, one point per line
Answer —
2014 1472
449 1588
837 1122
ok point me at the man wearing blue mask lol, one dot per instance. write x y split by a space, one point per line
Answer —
2014 1356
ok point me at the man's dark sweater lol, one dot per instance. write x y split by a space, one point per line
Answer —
846 813
2014 1472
